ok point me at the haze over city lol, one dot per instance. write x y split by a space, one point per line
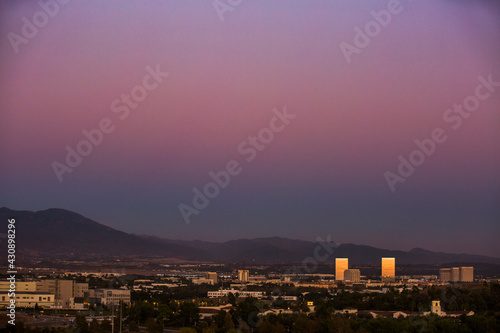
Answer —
323 173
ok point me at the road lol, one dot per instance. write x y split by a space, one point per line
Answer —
46 321
53 321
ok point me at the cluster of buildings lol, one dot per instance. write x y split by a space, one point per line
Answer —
388 272
343 273
456 274
59 294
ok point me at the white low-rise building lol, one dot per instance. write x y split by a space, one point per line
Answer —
238 293
28 299
111 296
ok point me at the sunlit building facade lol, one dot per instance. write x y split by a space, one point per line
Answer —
20 286
341 265
27 299
388 269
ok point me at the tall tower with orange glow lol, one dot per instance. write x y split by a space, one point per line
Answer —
341 265
388 269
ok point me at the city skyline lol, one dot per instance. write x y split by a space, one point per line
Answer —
250 166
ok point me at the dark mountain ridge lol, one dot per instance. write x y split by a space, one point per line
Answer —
56 233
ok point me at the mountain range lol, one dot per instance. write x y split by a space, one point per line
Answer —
58 233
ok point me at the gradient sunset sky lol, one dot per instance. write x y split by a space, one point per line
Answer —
322 175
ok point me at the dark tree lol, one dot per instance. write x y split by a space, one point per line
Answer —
81 323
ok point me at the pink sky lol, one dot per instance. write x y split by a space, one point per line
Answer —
323 174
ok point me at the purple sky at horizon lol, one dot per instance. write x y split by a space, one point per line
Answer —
322 175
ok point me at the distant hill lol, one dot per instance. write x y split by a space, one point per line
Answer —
62 233
274 249
58 233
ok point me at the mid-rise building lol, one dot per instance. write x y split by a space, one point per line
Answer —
243 275
388 273
20 286
81 289
455 274
341 265
467 274
445 274
212 276
64 290
352 275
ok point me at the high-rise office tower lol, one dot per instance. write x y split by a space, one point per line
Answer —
466 274
341 265
388 269
445 274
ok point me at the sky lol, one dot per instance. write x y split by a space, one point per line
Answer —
358 93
